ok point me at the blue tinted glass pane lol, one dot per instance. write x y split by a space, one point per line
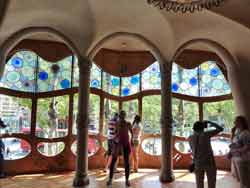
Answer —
185 81
19 72
111 84
151 77
95 77
130 85
54 76
212 80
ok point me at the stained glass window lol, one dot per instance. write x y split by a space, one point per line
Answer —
54 76
205 80
19 73
212 81
111 84
185 81
130 85
95 77
151 77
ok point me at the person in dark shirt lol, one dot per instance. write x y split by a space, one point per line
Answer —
2 149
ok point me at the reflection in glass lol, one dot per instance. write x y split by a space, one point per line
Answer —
93 146
50 149
52 117
151 113
16 114
152 146
15 148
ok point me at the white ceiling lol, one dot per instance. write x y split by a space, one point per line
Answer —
89 21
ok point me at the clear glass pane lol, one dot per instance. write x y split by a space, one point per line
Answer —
93 147
94 113
221 112
15 148
131 109
152 146
19 72
151 77
54 76
185 81
50 149
52 117
220 145
184 114
130 85
16 114
182 147
76 72
95 77
111 84
151 113
110 108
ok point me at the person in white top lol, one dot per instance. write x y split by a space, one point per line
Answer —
241 149
135 141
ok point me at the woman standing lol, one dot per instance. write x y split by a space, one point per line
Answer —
121 142
242 149
136 129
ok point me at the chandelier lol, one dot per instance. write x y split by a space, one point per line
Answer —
185 5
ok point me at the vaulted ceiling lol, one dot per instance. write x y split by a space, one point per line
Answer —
86 22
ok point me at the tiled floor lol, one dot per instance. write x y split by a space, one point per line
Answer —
146 178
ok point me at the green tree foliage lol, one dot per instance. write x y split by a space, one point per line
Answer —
151 113
222 112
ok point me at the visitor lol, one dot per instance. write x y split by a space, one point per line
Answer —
234 166
111 135
241 150
135 141
121 142
203 157
2 149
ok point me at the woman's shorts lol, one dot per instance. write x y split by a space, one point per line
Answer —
135 143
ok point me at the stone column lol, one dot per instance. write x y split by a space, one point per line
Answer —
81 176
166 174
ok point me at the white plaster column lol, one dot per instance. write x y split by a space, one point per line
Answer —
81 176
239 80
166 174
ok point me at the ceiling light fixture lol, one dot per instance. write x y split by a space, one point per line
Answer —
185 5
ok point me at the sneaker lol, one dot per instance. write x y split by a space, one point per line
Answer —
127 183
109 182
